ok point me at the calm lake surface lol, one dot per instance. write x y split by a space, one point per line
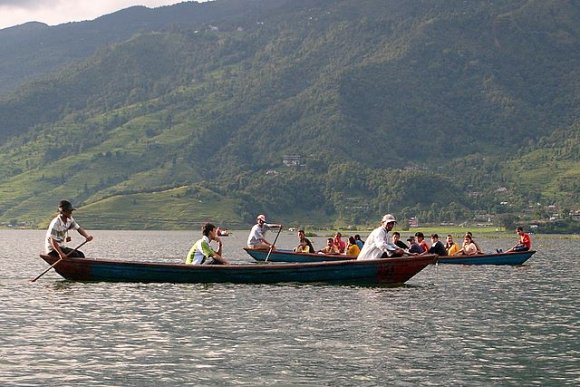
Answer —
451 325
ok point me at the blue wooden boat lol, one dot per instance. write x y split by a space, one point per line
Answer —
291 256
514 258
388 271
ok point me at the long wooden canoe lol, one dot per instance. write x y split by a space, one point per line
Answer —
291 256
514 258
387 271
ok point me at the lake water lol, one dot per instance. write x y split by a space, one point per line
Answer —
451 325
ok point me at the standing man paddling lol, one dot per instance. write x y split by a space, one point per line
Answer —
378 245
57 233
256 238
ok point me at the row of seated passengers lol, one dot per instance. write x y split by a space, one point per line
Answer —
417 245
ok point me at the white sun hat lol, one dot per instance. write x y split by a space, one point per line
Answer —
388 218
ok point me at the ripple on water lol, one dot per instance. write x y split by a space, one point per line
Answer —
453 325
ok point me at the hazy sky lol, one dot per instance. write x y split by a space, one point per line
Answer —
51 12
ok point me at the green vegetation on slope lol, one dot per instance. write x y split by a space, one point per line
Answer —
446 111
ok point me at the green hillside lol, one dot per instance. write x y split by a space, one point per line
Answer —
315 112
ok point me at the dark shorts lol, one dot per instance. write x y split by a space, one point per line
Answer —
67 251
521 248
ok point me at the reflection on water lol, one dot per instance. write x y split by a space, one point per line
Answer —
452 325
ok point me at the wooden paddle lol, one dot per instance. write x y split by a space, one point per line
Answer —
272 245
56 263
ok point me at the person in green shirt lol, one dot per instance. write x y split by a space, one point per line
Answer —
201 252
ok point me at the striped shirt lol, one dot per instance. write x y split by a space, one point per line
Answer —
57 231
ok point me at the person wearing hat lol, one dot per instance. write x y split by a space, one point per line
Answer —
414 247
256 238
378 243
57 233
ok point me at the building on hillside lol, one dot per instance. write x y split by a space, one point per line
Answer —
292 160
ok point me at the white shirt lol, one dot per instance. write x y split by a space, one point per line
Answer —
200 251
257 233
376 244
57 230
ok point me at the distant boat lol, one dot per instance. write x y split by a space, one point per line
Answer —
514 258
223 232
291 256
387 271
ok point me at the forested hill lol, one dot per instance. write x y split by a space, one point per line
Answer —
35 49
311 111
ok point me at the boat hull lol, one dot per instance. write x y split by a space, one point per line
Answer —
389 271
512 259
291 256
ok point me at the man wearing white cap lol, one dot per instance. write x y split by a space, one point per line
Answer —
256 238
378 243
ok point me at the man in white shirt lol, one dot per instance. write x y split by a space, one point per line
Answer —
378 243
256 238
57 233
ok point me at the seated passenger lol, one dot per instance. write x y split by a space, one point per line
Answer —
414 247
302 242
451 247
330 248
469 248
525 242
437 246
421 241
352 248
339 243
302 247
474 242
359 242
201 252
398 242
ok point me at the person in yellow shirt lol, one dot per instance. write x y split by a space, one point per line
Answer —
304 244
451 247
302 247
352 248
